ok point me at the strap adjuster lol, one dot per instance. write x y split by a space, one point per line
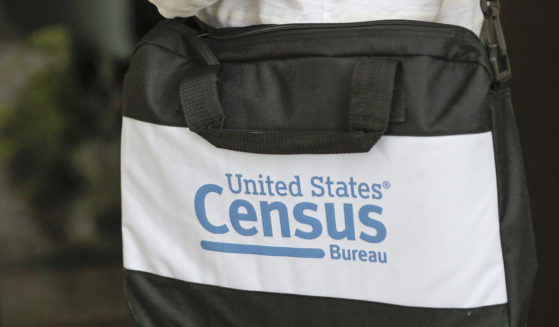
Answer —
494 40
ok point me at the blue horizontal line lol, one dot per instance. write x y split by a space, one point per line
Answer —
275 251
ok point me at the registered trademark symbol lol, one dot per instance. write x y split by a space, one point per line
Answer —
386 185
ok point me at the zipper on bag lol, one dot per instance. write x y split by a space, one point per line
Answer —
491 38
241 32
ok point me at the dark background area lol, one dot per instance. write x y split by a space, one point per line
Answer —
55 274
531 29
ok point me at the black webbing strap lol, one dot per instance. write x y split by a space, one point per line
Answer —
199 99
291 142
372 88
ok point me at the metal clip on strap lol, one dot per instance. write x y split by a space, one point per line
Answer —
494 40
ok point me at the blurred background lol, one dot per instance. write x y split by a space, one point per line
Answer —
61 69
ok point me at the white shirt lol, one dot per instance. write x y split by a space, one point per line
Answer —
230 13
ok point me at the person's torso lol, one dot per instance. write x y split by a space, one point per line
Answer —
230 13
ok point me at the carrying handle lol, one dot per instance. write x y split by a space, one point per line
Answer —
371 100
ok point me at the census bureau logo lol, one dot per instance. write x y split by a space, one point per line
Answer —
333 205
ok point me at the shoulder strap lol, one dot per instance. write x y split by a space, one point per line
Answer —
494 39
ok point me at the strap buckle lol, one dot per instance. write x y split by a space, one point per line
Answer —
494 40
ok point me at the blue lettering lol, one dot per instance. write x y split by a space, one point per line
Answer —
280 188
349 231
380 258
297 185
364 190
266 208
334 252
329 183
377 194
200 208
318 186
231 184
237 216
261 182
299 214
248 183
369 222
341 190
363 255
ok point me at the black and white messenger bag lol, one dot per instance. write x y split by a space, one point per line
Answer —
359 174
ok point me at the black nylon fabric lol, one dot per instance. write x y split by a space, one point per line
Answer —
189 304
372 90
199 99
270 82
373 84
292 142
517 235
